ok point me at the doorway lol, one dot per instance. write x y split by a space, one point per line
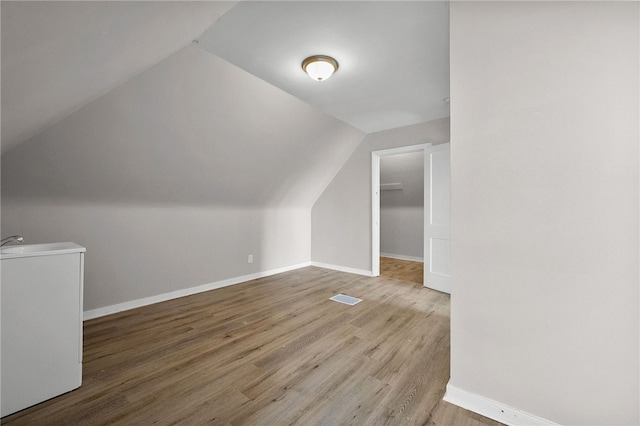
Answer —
436 208
402 217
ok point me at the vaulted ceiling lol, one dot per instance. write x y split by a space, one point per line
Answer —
59 56
393 55
191 130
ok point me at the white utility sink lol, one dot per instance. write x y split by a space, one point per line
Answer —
27 250
41 323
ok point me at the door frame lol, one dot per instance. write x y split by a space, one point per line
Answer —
375 197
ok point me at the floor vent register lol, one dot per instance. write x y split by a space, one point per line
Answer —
347 300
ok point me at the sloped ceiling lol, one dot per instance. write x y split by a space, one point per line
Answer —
394 67
58 56
191 130
393 55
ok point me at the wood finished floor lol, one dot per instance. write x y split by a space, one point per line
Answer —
272 351
405 270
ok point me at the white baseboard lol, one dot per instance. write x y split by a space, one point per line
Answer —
107 310
342 268
492 409
403 257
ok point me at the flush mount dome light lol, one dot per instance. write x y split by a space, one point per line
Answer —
320 67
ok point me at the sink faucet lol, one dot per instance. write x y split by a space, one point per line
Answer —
11 239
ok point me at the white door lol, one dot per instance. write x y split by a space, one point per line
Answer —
437 218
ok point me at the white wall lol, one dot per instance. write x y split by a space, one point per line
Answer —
139 251
401 232
173 178
341 217
402 210
545 193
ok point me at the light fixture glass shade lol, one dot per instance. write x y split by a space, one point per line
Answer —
320 67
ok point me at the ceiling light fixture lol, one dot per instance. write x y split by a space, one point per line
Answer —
320 67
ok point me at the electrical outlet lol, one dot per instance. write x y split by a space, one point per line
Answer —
250 259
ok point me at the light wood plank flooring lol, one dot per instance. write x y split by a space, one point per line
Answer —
405 270
273 351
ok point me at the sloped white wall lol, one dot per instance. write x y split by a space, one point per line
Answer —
57 56
341 218
193 129
545 193
173 178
